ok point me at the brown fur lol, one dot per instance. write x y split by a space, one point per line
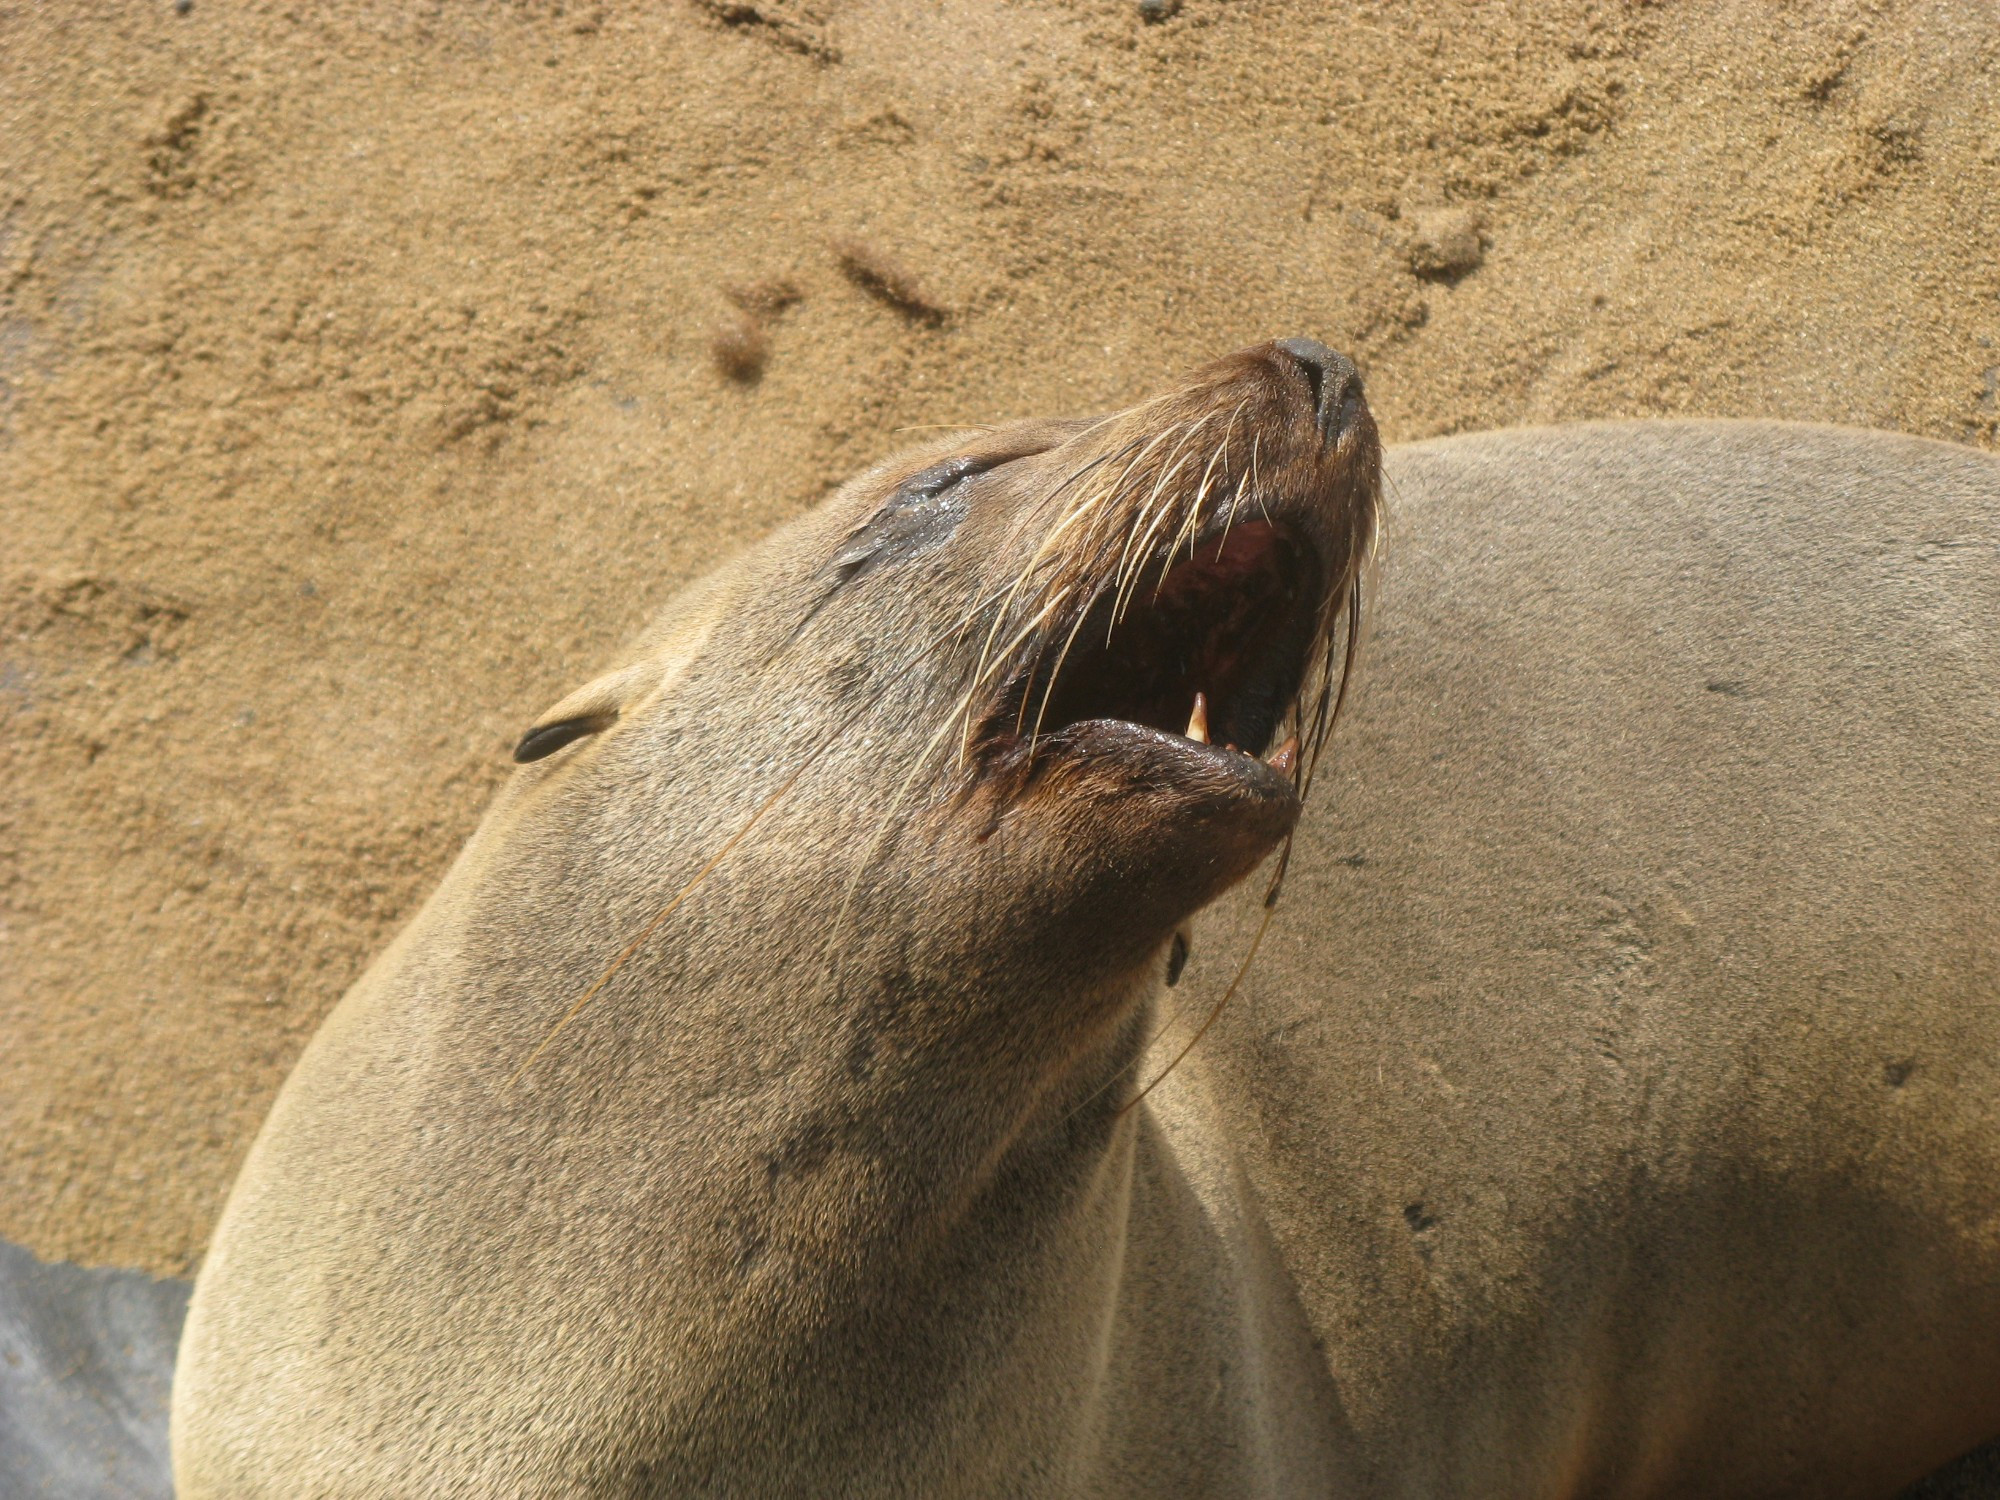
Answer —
1548 1148
1621 1076
628 1171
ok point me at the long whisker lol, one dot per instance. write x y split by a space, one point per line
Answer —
1322 732
1106 493
962 710
837 930
1047 546
1191 528
1158 504
963 713
1061 657
1138 1056
1138 549
1141 1053
1236 504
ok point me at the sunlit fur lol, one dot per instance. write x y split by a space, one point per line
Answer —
1609 1110
738 1012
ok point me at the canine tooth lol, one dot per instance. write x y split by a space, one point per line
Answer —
1197 729
1286 757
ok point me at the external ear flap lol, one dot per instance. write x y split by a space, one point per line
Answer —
591 709
546 739
666 649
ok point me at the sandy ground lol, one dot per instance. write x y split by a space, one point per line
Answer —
360 384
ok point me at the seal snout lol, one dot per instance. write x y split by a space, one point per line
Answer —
1182 607
1335 384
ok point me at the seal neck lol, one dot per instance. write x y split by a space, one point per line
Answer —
1104 1315
1208 1383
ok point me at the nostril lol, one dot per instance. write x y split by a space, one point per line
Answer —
1316 378
1335 383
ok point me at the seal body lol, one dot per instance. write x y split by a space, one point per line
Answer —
1609 1107
1621 1077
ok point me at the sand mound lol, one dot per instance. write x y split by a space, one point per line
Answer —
367 372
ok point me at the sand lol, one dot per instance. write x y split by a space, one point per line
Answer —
367 372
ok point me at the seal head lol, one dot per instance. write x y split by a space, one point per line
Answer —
720 1117
1084 633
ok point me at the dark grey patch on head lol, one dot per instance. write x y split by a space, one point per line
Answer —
924 511
1728 687
546 739
1415 1215
1352 861
86 1361
1897 1073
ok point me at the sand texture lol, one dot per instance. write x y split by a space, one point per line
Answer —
368 371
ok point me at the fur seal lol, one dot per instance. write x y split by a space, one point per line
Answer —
764 1104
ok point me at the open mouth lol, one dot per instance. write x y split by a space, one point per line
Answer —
1213 650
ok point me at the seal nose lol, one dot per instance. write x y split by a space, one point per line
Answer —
1336 384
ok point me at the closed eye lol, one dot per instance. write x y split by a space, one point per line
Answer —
925 510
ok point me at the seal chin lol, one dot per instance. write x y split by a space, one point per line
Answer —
1195 772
